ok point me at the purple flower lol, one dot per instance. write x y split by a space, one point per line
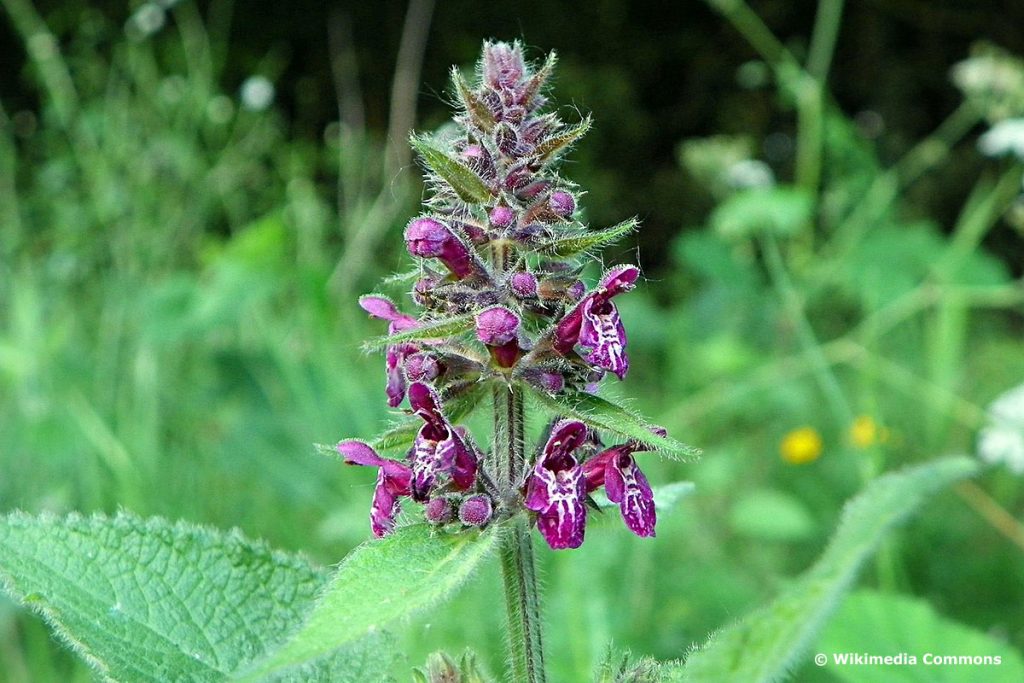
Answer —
595 323
430 238
393 480
439 448
616 470
379 307
557 488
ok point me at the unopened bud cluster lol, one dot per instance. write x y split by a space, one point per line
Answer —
500 251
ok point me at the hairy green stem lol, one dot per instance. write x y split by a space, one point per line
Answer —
518 570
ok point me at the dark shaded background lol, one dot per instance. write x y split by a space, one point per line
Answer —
652 73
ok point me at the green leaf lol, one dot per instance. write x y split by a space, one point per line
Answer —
462 179
151 600
602 414
666 497
479 112
381 580
781 211
769 643
556 143
435 329
572 245
890 624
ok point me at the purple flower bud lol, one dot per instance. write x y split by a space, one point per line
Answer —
503 65
562 204
473 152
576 290
422 367
430 238
506 139
502 216
517 177
524 284
476 510
548 380
440 511
533 189
497 326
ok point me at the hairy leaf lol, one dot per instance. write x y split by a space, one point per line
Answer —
571 245
436 329
381 580
463 180
151 600
602 414
888 624
550 147
767 644
478 111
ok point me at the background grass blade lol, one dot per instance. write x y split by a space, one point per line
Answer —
767 645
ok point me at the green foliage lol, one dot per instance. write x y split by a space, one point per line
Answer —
604 415
573 245
150 600
462 179
766 645
409 570
435 329
889 624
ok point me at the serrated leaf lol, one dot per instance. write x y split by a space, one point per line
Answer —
435 329
480 113
890 624
666 497
602 414
153 601
411 569
467 184
556 143
571 245
767 644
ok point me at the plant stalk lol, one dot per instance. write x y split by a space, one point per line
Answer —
518 570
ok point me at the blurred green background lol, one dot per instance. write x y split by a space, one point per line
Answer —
193 194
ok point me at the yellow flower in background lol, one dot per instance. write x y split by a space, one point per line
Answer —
801 446
865 432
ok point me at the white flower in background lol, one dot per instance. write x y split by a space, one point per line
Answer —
1005 137
257 93
750 173
1002 441
147 20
